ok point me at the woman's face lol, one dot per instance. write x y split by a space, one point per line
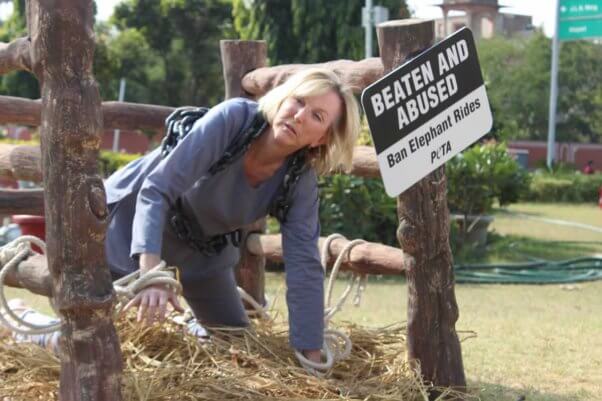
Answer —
306 121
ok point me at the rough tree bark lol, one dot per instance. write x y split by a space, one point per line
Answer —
357 74
62 48
15 56
238 58
20 162
423 233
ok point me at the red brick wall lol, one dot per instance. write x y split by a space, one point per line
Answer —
574 153
129 141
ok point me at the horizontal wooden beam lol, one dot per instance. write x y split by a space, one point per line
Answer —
365 163
15 56
21 201
132 116
369 258
121 115
31 274
22 162
357 74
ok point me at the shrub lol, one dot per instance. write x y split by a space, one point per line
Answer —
357 208
564 187
482 175
113 161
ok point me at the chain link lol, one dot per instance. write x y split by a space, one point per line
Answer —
180 122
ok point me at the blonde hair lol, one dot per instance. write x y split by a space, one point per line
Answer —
337 153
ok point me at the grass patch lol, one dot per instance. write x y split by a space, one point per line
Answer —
512 238
517 248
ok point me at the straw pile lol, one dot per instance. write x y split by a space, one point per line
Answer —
163 363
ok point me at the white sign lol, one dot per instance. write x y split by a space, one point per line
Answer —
427 110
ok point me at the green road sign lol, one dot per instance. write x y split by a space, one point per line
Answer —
580 29
570 9
580 19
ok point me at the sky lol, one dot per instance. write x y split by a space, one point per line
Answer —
542 11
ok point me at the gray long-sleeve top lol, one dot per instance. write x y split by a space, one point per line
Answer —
221 203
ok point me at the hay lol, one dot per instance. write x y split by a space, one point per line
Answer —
163 363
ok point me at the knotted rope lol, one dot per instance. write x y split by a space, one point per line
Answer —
126 287
11 255
337 345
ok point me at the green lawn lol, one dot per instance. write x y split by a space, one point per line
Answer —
515 238
541 342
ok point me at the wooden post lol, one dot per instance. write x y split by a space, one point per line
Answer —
62 48
423 233
238 58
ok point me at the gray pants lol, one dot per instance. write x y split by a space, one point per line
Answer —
215 300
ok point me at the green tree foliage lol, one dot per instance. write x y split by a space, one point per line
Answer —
517 72
307 31
169 49
17 83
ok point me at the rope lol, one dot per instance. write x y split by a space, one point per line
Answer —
11 255
126 287
337 345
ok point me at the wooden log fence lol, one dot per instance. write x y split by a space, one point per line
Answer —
424 256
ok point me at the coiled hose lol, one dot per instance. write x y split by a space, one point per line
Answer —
540 272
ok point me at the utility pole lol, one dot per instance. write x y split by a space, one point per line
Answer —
117 132
371 16
553 90
368 20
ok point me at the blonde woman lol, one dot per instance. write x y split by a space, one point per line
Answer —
238 162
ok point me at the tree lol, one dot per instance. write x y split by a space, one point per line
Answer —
517 72
183 37
307 31
17 83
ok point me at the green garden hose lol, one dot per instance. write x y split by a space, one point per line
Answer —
543 272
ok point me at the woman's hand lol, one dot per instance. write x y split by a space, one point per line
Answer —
314 355
152 303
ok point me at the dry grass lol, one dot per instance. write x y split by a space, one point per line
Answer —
163 363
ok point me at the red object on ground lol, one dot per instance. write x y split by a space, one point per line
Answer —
600 199
31 225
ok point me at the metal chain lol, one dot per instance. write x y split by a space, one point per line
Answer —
180 122
281 205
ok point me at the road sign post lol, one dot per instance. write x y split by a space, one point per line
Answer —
575 20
